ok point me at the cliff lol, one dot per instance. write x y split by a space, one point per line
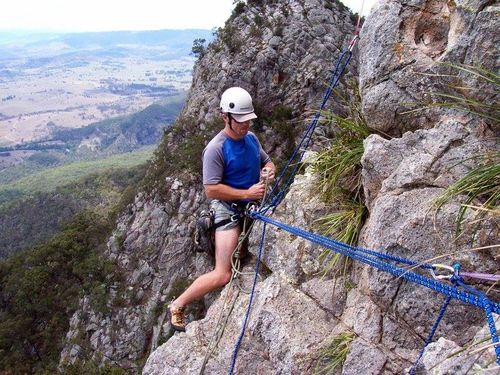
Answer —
282 53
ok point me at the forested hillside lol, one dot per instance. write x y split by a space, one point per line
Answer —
403 169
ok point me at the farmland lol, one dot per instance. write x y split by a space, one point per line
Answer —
58 81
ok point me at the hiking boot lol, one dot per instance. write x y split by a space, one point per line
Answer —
177 318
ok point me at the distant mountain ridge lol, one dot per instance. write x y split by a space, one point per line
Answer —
115 135
177 42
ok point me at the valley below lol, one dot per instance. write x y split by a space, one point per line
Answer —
54 81
80 114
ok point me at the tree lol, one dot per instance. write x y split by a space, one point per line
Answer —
198 49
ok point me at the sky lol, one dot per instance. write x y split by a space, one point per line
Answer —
114 15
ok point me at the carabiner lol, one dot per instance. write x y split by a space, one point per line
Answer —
250 208
437 266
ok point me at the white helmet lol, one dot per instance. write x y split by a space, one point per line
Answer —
238 103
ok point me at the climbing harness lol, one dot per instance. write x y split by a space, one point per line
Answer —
204 235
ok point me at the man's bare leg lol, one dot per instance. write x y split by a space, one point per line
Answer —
225 243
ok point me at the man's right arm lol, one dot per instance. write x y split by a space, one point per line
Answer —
227 193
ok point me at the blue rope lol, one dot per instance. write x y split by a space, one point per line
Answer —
276 196
489 308
247 315
431 334
491 325
471 298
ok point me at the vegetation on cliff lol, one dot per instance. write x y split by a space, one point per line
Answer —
40 289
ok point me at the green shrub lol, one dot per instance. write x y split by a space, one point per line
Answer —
230 38
198 48
238 9
255 31
258 20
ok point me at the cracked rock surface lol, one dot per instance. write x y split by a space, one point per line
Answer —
299 310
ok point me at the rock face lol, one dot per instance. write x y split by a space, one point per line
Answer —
300 314
282 53
152 247
404 46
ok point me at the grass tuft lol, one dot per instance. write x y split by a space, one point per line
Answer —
344 225
462 97
339 170
334 355
480 186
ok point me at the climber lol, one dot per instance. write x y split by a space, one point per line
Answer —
234 167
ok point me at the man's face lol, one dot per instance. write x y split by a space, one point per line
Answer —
237 130
241 128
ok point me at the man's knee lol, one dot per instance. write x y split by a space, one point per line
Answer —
223 277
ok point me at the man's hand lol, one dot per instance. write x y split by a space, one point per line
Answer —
267 173
256 192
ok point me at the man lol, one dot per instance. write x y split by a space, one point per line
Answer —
233 164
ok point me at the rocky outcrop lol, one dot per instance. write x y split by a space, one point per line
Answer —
299 311
406 44
153 250
281 52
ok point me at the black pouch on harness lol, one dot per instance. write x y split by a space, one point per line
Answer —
204 235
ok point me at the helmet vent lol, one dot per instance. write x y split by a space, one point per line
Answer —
231 105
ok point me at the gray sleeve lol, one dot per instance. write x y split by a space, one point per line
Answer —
213 164
264 158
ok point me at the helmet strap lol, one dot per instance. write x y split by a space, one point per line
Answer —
230 120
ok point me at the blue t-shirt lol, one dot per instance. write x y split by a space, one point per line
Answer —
234 163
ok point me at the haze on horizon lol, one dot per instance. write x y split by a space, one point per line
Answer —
116 15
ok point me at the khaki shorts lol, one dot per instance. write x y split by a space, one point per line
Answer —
222 212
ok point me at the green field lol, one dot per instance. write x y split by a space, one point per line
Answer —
51 178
